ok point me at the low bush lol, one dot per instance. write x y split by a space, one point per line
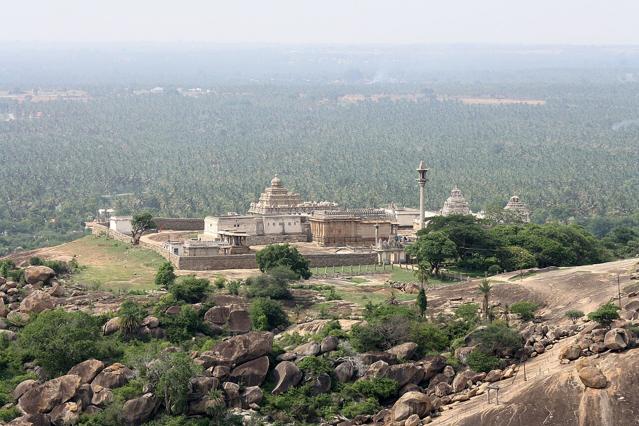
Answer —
184 325
267 314
498 339
191 289
482 362
429 337
468 312
273 284
356 408
131 316
605 314
165 276
574 314
313 365
526 310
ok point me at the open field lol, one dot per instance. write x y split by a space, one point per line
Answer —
108 264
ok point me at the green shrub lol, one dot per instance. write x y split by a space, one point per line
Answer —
498 339
494 269
131 316
233 287
165 276
355 408
169 377
574 314
283 255
182 326
526 310
219 282
482 362
267 285
191 289
298 407
8 414
267 314
378 388
429 338
468 312
313 365
58 340
605 314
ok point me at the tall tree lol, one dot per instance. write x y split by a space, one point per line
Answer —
140 223
285 255
484 288
433 248
422 302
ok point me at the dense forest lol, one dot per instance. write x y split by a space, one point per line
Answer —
572 157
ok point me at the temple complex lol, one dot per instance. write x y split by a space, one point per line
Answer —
519 208
277 200
456 203
358 227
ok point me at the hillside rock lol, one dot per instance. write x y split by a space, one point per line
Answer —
113 376
43 398
101 395
251 395
405 373
493 376
344 371
23 387
405 351
4 311
433 365
239 322
36 274
307 349
200 386
65 414
217 315
87 370
287 375
31 420
17 318
139 410
36 302
570 352
329 344
411 403
592 377
239 349
463 380
251 373
111 326
320 384
616 339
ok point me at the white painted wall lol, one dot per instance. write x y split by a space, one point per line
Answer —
121 224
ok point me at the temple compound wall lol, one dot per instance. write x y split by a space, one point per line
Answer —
179 224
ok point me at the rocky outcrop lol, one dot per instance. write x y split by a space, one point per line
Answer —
405 351
592 377
251 373
36 274
307 349
570 352
43 398
101 395
87 370
616 339
239 322
113 376
218 315
238 349
66 414
411 403
111 326
329 344
287 375
344 371
36 302
23 387
137 411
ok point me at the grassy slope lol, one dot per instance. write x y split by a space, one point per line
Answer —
111 264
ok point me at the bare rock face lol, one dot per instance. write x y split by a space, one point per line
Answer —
616 339
36 302
307 349
36 274
493 376
23 387
101 395
405 373
239 322
320 384
463 380
377 369
570 352
329 344
232 393
462 353
251 373
31 420
43 398
87 370
405 351
592 377
287 375
239 349
65 414
113 376
4 311
344 371
137 411
411 403
368 358
433 365
217 315
442 389
111 326
201 385
151 322
19 319
251 395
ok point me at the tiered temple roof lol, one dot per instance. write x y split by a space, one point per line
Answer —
456 203
518 207
277 200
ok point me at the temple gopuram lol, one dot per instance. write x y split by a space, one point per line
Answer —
456 203
277 200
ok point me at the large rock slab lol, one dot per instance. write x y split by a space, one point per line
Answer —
251 373
329 344
218 315
307 349
87 370
570 352
616 339
43 398
113 376
405 373
239 349
137 411
36 274
344 371
592 377
287 375
404 351
411 403
239 322
37 302
432 365
66 414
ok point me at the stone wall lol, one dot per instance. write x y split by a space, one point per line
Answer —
179 224
237 261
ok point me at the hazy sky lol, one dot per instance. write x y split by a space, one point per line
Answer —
323 21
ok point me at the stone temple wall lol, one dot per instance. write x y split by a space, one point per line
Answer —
178 224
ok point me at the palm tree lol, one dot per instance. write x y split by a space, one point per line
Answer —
484 289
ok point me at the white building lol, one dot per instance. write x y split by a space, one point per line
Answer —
121 224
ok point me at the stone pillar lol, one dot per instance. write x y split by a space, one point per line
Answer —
422 183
